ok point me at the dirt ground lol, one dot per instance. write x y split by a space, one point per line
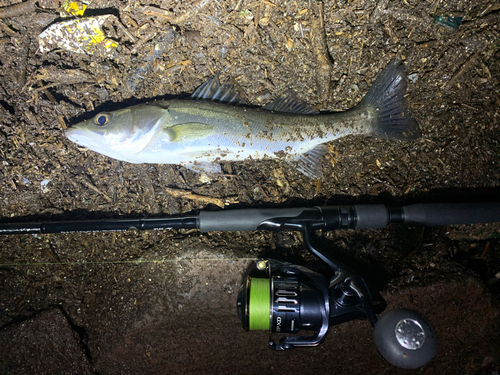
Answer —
164 302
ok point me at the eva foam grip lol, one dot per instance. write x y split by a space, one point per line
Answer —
242 220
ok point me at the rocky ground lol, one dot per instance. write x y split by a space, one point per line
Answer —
164 302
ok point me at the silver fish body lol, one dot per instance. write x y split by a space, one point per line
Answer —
199 134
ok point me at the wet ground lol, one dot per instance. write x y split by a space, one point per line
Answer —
164 302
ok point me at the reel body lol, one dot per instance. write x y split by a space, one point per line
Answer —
296 298
286 298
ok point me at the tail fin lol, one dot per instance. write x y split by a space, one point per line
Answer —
386 97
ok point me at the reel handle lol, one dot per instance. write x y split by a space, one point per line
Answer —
405 339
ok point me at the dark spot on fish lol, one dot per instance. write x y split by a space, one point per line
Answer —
280 154
264 133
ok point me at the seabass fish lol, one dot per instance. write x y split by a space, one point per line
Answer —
215 126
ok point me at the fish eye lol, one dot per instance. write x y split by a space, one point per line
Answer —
101 119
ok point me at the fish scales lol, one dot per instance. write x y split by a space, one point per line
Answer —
200 133
263 130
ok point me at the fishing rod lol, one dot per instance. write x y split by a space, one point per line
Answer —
359 216
285 298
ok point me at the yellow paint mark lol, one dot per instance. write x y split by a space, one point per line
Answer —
74 8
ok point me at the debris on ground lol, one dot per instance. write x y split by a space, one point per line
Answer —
143 302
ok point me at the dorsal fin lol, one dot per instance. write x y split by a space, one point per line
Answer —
289 103
212 90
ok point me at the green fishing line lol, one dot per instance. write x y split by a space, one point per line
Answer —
259 304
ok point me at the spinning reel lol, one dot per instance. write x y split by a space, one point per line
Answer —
286 298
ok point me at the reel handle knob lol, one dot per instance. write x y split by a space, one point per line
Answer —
405 339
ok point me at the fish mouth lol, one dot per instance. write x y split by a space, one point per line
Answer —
84 137
78 135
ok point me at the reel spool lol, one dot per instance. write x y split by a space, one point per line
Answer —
286 298
285 304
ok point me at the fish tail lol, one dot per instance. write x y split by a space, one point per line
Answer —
386 97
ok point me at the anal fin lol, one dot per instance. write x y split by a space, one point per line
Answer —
309 163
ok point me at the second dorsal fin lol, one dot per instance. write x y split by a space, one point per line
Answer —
289 103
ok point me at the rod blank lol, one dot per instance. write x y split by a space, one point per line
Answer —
326 218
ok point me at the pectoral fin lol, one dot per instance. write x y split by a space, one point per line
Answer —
189 131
